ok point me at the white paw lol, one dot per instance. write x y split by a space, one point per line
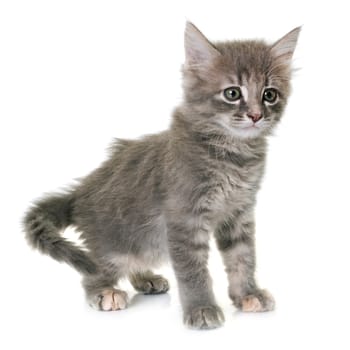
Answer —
261 301
112 300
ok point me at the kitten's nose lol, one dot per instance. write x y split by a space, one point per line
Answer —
255 117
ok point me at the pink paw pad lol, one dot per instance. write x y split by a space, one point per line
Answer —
112 300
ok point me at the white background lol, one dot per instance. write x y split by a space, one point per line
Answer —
75 74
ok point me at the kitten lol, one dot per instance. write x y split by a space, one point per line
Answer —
162 196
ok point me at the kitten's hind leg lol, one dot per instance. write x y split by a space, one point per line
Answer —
101 294
148 283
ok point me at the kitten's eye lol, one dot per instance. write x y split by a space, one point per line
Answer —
270 95
232 94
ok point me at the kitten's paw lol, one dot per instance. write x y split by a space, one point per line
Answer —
155 284
110 300
206 317
260 301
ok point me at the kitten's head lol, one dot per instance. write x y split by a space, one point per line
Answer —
238 88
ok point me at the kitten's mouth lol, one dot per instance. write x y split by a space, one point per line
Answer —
252 126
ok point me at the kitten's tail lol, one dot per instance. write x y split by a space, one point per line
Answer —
43 224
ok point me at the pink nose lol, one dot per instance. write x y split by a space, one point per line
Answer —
255 117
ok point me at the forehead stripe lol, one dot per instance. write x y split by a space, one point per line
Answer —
244 91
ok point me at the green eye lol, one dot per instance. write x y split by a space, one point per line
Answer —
270 95
232 94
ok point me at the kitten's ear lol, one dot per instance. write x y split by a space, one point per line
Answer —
198 49
284 48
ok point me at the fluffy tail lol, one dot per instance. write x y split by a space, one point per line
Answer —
43 224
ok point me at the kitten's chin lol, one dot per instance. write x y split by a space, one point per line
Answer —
244 133
250 132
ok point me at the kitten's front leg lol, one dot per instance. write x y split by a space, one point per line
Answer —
235 240
188 248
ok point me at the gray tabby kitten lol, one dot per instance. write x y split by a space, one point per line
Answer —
162 196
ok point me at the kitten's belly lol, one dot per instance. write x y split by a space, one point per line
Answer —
131 263
143 249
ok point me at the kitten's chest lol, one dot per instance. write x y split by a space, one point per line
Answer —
232 188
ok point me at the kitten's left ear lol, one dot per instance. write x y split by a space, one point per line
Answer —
284 48
198 49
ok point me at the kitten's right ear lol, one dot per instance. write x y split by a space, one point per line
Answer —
198 49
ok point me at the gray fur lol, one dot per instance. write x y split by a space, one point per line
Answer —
162 196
